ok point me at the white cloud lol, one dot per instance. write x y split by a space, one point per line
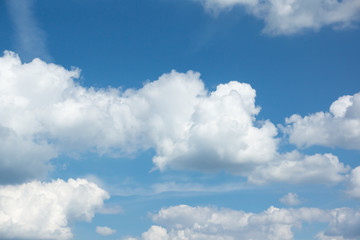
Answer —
221 132
190 128
354 183
294 167
338 128
38 210
105 231
43 113
285 17
200 223
290 199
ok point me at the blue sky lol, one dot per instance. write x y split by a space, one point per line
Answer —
193 119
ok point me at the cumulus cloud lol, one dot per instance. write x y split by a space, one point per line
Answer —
44 113
42 108
290 199
221 133
105 231
294 167
185 222
338 128
38 210
285 17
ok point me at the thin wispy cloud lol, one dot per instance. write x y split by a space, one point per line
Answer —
173 187
30 39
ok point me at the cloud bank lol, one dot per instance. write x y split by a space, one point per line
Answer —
286 17
44 113
38 210
190 223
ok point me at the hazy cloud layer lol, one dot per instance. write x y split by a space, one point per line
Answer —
285 17
38 210
340 127
190 223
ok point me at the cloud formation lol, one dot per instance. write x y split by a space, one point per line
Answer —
189 127
186 222
285 17
340 127
38 210
44 113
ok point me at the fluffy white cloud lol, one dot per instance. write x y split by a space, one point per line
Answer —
290 199
340 127
44 112
294 167
38 210
105 231
292 16
354 183
200 223
221 132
